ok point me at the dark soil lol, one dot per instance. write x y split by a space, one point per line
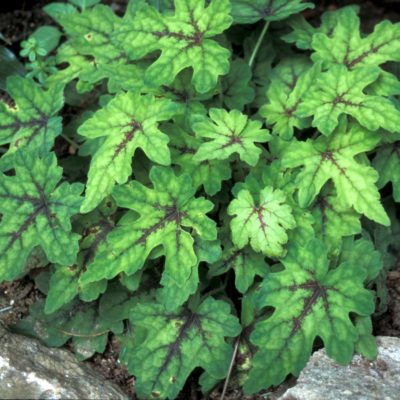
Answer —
18 19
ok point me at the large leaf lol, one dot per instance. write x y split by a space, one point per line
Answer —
229 132
339 92
251 11
164 212
33 121
127 122
263 223
90 32
309 300
175 344
36 211
184 40
345 45
333 158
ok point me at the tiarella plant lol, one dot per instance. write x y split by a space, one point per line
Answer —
203 180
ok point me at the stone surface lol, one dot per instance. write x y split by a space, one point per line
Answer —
322 378
29 370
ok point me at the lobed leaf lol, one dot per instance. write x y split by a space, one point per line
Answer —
164 212
176 343
341 92
309 300
33 121
230 132
36 211
264 224
184 40
127 122
333 158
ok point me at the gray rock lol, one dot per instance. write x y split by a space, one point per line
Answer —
29 370
322 378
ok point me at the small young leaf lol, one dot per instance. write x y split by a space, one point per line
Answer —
36 211
175 344
127 122
333 158
184 40
47 37
263 224
230 132
309 301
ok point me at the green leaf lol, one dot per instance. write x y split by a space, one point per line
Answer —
175 344
33 121
184 40
333 158
236 89
87 325
309 300
346 45
9 65
334 220
362 252
262 224
83 4
281 109
339 92
164 212
64 282
387 163
230 132
303 32
251 11
246 263
36 211
57 9
127 122
47 37
91 33
208 173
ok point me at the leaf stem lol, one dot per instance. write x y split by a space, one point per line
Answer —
70 141
258 44
230 369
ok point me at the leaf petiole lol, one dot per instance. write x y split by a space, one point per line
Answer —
258 44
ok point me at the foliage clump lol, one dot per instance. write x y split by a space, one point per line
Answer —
197 178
